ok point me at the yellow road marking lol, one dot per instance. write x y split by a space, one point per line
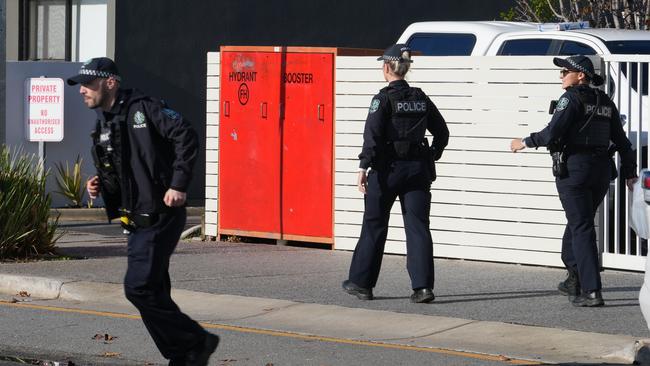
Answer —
276 333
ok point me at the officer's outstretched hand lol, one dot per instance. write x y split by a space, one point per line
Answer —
362 181
630 183
92 186
516 145
174 198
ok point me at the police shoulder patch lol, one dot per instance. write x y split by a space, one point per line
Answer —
139 120
171 113
562 104
374 106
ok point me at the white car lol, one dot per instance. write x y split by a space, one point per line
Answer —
535 39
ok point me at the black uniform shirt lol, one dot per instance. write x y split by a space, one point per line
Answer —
160 151
570 111
380 113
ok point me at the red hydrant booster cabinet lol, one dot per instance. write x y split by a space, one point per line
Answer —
276 143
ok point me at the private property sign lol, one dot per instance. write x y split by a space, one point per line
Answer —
44 109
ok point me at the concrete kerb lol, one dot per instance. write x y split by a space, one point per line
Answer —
98 214
40 287
532 343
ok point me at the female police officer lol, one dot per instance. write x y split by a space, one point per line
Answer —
584 122
401 162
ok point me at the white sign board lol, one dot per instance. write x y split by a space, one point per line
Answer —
44 109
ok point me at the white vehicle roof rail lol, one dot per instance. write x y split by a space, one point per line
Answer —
562 26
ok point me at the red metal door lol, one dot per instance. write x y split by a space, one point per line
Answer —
307 159
249 144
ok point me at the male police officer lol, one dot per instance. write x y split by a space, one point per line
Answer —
584 122
401 163
144 154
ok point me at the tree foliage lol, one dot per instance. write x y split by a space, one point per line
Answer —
622 14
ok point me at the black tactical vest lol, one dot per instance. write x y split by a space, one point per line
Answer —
594 129
108 152
408 122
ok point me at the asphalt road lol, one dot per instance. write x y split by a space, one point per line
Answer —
69 336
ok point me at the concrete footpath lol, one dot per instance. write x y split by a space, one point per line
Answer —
486 308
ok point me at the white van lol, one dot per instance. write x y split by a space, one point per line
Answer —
533 39
457 38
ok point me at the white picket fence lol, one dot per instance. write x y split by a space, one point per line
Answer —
488 203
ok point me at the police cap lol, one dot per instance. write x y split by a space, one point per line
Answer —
394 53
99 67
579 63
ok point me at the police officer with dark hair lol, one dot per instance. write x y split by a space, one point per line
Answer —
144 153
584 122
401 165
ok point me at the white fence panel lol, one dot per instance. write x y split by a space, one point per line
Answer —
212 143
487 203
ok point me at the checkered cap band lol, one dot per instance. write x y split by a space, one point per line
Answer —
580 68
100 74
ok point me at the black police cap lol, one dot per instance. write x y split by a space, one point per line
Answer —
582 64
99 67
394 53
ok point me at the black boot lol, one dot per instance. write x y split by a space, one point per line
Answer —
422 295
590 299
360 292
570 286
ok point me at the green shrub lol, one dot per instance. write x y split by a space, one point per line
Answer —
25 226
70 183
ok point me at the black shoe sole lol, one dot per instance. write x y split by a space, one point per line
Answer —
589 303
210 346
424 300
563 291
568 293
355 292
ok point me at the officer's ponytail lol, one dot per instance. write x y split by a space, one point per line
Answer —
401 67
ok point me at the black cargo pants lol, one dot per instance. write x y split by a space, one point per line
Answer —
147 285
581 192
411 182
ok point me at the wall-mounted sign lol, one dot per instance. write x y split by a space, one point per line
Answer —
44 109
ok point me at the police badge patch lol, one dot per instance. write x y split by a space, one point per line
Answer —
374 106
562 104
139 120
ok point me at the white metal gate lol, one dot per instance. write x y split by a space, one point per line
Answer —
627 83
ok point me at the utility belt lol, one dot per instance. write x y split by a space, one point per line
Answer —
407 150
560 157
132 221
590 150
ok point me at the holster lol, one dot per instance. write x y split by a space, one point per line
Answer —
131 221
560 169
432 163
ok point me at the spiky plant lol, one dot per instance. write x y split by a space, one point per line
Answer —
70 183
25 226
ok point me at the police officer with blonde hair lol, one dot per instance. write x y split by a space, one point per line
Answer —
584 123
400 164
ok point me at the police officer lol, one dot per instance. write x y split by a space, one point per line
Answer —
144 154
584 122
401 165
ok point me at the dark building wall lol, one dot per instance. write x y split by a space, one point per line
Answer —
161 45
3 62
